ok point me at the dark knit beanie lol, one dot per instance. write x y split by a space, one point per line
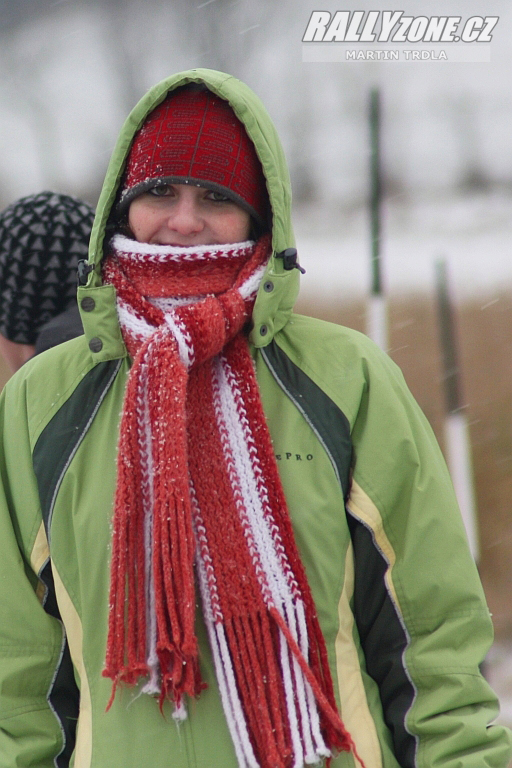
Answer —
42 238
194 137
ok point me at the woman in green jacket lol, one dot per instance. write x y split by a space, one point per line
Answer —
229 535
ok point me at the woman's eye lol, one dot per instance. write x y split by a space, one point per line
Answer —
218 197
162 190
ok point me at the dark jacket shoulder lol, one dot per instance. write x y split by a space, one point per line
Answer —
64 327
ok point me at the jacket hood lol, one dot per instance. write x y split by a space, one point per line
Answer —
279 287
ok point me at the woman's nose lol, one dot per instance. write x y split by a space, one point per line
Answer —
185 216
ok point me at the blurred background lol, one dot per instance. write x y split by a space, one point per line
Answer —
70 70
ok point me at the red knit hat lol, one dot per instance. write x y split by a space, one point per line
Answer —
194 137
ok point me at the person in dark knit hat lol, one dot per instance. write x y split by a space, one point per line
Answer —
42 238
229 538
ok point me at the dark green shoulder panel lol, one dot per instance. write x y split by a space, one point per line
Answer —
329 423
58 442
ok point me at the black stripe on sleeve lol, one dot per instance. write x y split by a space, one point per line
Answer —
63 695
383 638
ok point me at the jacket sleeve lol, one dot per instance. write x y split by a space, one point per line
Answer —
32 644
419 606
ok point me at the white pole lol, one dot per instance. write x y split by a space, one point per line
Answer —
377 320
458 445
458 455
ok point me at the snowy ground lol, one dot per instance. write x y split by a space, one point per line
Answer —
473 233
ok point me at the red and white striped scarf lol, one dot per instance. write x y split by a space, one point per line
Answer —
197 482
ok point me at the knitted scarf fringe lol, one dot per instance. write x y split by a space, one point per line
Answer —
197 482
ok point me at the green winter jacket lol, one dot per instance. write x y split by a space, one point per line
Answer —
398 596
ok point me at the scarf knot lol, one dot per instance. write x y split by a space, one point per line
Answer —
198 485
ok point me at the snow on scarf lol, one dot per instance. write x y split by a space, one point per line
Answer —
197 481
